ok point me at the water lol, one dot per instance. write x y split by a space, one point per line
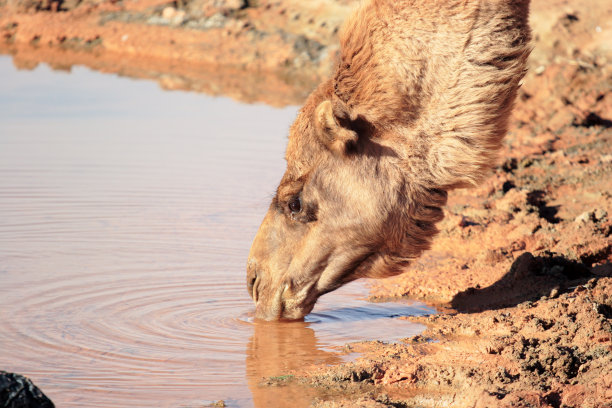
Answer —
126 216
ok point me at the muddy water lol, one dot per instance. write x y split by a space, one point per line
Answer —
126 215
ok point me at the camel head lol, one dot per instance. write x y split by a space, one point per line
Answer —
418 105
343 210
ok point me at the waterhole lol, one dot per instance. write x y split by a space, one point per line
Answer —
126 216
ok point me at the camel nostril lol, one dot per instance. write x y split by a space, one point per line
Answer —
251 283
253 289
251 277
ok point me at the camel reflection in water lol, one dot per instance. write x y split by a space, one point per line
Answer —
276 349
281 348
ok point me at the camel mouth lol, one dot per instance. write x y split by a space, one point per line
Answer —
286 308
283 314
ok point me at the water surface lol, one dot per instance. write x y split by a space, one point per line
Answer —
126 216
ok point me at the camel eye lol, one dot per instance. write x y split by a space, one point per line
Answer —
295 205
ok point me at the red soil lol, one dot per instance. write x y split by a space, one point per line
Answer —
522 264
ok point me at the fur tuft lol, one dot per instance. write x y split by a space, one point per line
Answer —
437 79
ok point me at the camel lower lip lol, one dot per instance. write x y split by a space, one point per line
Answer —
280 312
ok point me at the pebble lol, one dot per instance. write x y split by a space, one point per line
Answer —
596 215
172 16
600 214
168 13
554 292
583 218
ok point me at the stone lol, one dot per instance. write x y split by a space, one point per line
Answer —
17 391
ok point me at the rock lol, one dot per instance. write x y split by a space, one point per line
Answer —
225 7
583 218
523 266
17 391
596 215
554 293
178 18
215 21
600 214
168 13
173 16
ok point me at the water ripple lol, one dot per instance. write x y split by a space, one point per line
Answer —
122 250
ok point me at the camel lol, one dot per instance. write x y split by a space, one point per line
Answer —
418 105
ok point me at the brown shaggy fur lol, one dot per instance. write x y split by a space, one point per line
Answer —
418 105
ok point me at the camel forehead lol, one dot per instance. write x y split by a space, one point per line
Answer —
303 152
304 149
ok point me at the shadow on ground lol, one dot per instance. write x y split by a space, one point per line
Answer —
529 278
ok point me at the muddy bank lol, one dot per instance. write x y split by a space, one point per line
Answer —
236 83
270 51
544 353
266 51
522 265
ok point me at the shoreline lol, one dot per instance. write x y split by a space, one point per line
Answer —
522 267
270 52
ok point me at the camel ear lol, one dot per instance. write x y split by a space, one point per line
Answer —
330 132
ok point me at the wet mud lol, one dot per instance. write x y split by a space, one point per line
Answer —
521 269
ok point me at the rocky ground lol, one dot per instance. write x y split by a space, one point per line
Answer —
522 266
